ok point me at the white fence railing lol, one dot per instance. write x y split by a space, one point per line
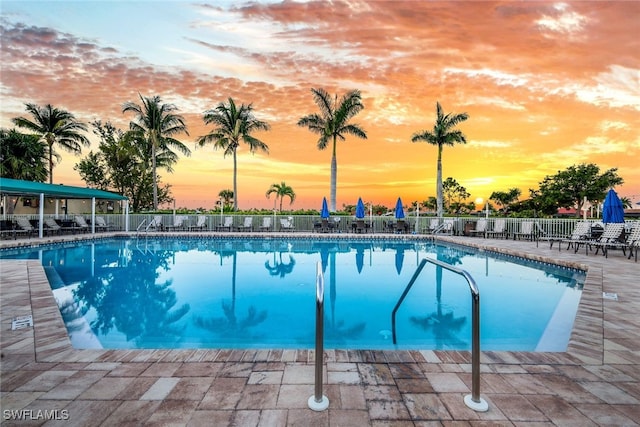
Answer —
313 223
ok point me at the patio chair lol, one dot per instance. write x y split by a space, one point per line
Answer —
24 226
401 227
434 223
481 228
247 225
286 224
633 240
102 225
226 225
612 237
52 226
156 223
499 228
360 226
266 224
81 224
526 231
178 223
580 233
201 223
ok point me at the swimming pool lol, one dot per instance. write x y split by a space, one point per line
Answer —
201 292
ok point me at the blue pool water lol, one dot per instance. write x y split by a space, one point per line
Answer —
189 292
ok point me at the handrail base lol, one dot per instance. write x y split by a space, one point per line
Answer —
481 406
314 405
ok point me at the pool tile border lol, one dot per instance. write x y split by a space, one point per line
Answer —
52 345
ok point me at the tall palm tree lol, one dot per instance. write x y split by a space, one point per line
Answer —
158 123
443 133
55 126
22 156
232 125
332 124
282 190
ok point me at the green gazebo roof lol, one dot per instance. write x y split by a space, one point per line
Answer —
19 187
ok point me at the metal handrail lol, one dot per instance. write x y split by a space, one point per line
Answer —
141 224
319 402
474 400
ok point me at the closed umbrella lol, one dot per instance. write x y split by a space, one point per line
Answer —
399 209
612 209
360 209
324 213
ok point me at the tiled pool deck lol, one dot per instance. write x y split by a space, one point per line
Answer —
595 382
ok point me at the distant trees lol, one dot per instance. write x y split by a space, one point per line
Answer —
227 198
233 125
455 196
333 123
156 124
56 127
505 198
568 188
282 190
122 164
443 133
22 156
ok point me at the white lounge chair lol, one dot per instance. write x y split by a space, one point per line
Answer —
178 223
81 224
481 227
286 224
633 240
266 224
102 225
226 225
247 225
526 231
610 238
52 226
201 223
156 223
499 228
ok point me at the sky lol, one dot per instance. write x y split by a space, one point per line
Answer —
546 85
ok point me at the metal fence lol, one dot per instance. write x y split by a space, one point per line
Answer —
312 223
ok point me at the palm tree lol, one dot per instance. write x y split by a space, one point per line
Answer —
333 123
226 196
232 125
157 123
281 191
22 156
444 133
54 126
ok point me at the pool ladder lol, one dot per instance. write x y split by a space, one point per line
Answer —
473 400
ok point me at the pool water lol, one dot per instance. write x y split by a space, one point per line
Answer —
125 293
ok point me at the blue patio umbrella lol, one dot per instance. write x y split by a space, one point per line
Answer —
399 209
612 209
360 209
324 213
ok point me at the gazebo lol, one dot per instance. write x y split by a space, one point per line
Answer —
30 188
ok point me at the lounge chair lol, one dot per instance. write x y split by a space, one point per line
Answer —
266 224
481 228
52 226
156 223
526 231
226 225
499 228
201 223
81 224
434 223
612 237
633 240
102 225
286 224
247 225
581 233
360 226
178 223
24 226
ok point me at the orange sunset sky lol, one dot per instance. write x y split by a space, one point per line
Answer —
546 85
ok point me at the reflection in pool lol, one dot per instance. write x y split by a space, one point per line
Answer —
260 293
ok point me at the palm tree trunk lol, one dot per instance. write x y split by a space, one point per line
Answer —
281 197
50 162
439 182
334 173
235 181
155 177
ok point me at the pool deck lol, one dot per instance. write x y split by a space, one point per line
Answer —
596 382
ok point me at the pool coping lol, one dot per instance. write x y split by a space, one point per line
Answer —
52 344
